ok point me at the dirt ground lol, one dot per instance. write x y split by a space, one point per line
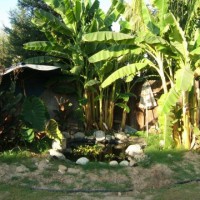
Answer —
111 182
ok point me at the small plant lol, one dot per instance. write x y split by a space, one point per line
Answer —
36 127
89 151
109 156
64 112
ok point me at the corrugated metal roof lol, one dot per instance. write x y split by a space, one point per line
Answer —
36 67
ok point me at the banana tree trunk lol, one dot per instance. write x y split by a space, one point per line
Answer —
186 135
88 111
123 122
100 108
111 107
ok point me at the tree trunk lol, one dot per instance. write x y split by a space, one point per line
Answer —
186 135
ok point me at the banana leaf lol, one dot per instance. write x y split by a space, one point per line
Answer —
131 69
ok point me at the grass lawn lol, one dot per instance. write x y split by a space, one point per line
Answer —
29 176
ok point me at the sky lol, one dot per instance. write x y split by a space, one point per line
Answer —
7 5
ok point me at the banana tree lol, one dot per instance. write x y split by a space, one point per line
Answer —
149 40
66 48
166 44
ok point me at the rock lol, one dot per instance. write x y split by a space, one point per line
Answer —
113 163
66 134
121 136
129 129
124 163
79 135
57 154
82 161
133 150
120 146
99 136
56 145
42 164
22 169
73 171
132 162
62 169
108 137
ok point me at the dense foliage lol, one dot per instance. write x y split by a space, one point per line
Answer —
155 39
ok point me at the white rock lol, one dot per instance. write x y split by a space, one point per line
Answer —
62 169
113 163
99 135
56 145
124 163
121 136
82 161
133 150
79 135
55 153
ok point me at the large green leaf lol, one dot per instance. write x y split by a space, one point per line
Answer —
48 20
106 36
53 131
193 13
34 113
117 8
168 101
162 9
177 37
91 83
48 47
27 134
184 79
114 52
195 52
65 9
154 39
39 46
41 59
123 106
123 72
78 9
147 19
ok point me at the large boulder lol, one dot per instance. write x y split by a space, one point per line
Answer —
133 150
